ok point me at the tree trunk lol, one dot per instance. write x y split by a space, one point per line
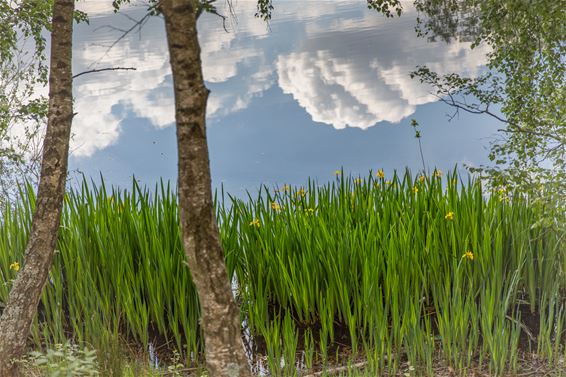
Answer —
23 300
220 320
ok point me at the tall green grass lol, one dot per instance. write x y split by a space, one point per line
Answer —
407 265
414 266
119 274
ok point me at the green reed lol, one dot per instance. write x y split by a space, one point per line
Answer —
118 274
421 266
406 265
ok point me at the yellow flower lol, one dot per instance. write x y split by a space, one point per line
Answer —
438 173
15 266
301 192
255 222
388 182
504 198
380 174
286 188
415 189
422 178
449 216
469 255
275 206
309 211
337 172
358 180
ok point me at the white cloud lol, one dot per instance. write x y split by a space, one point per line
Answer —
357 73
228 99
332 92
147 92
332 70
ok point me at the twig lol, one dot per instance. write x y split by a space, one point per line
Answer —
337 369
104 69
177 371
137 24
524 327
513 127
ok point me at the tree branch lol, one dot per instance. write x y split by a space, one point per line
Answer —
512 127
136 24
104 69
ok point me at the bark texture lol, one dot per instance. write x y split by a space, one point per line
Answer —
220 320
23 300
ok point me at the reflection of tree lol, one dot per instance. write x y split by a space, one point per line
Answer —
447 20
526 82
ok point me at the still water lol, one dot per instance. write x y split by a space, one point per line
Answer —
324 86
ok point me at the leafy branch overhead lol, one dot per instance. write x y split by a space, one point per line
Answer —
23 68
388 7
21 72
523 87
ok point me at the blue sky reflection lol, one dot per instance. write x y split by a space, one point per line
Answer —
326 87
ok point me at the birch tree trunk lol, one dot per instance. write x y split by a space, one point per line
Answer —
23 300
220 320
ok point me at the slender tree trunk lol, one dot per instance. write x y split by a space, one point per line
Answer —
21 306
220 320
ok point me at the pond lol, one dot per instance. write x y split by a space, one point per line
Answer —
324 86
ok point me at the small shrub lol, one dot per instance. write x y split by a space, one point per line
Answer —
65 360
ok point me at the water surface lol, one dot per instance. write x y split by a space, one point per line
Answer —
326 85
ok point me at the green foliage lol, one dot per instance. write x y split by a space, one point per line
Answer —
264 9
23 71
525 82
28 18
391 260
176 368
65 360
387 7
23 68
389 265
446 20
119 272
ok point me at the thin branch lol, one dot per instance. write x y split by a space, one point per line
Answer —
337 370
468 108
213 10
105 69
138 24
513 127
531 132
